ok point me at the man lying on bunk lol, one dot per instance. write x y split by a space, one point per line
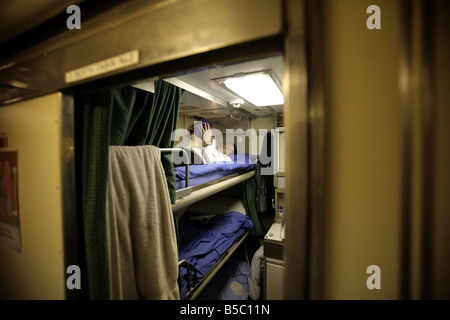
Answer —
212 154
209 152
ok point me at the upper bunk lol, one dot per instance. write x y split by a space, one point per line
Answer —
198 181
235 119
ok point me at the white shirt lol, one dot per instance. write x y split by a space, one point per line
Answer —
211 154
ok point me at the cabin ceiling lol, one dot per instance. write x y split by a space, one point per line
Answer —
205 98
18 17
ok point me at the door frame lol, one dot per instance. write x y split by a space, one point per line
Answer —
277 26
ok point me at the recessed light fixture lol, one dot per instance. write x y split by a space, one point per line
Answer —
258 88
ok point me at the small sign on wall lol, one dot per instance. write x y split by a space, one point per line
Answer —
9 210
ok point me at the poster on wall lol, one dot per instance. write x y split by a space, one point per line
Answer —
9 210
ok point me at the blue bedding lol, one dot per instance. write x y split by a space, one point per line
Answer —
232 282
203 244
201 173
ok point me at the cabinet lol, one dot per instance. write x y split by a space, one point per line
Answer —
274 263
279 176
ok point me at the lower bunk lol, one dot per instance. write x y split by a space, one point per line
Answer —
209 242
232 282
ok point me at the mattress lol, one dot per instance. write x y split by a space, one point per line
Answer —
204 239
232 282
203 173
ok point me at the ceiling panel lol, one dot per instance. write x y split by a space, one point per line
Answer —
19 16
204 93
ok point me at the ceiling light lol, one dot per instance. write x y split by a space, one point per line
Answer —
236 103
258 88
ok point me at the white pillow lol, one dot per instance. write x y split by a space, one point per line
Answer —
215 205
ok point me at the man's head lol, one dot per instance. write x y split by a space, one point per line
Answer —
229 149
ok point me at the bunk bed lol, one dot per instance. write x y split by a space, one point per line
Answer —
198 181
204 173
212 228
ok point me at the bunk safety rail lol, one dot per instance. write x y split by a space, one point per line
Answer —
187 190
193 290
189 268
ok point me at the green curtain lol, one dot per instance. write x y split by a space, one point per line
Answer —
122 116
96 118
250 206
142 118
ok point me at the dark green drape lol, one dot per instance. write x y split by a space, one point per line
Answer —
143 118
250 206
123 116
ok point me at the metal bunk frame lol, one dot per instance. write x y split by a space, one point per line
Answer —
192 194
187 190
206 190
196 289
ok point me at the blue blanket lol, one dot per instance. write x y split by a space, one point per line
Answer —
201 173
202 244
232 282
